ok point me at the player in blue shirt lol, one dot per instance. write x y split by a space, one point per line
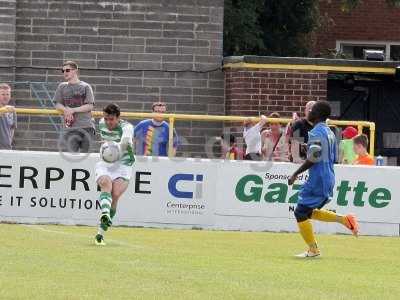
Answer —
318 189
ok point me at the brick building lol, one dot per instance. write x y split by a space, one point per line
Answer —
136 53
250 91
263 84
371 25
132 52
357 90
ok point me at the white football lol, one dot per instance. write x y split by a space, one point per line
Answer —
110 152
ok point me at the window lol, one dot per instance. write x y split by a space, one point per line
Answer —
335 107
355 49
391 140
395 52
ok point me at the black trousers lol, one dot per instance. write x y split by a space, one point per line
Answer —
79 139
253 156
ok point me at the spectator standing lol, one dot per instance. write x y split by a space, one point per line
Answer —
75 99
275 142
298 133
252 138
152 135
8 120
346 146
230 151
360 148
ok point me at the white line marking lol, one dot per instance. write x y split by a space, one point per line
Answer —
121 243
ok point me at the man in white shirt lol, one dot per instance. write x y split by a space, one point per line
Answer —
252 138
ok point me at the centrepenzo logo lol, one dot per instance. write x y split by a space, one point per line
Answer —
179 186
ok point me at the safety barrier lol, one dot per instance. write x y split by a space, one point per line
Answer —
45 187
207 118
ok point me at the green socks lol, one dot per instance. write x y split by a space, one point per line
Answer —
105 203
113 211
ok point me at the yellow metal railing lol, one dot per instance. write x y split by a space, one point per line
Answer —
186 117
313 67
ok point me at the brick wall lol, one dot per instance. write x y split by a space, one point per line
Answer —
7 40
372 20
263 91
132 52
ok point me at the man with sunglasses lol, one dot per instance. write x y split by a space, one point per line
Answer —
75 99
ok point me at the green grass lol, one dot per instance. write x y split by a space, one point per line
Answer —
60 262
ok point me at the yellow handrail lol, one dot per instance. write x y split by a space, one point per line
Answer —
171 151
210 118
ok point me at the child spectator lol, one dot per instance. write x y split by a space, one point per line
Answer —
360 148
346 151
231 150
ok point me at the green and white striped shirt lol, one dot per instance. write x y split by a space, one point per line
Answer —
124 129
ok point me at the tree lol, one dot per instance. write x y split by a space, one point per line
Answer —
268 27
274 27
348 5
287 25
242 30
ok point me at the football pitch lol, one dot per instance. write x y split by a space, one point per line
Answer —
61 262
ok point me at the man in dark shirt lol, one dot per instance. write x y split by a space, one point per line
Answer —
299 135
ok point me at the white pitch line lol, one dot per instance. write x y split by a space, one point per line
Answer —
121 243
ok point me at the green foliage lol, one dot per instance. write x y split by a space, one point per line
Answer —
395 3
274 27
242 31
269 27
348 5
286 25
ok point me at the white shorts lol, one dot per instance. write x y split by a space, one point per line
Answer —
114 170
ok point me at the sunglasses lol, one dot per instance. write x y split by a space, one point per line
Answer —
66 70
